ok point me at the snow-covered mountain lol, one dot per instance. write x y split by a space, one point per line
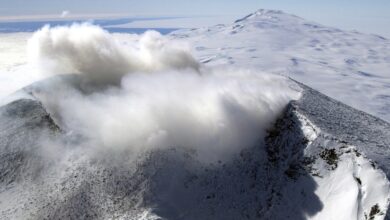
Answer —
321 160
349 66
75 148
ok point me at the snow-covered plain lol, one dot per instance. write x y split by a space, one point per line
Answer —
15 73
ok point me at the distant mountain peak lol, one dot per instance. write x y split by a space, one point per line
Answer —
268 11
266 14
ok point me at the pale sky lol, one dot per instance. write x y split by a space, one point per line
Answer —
370 16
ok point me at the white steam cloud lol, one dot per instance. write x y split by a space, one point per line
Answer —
92 51
166 101
217 114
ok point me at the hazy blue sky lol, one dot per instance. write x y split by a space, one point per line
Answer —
364 15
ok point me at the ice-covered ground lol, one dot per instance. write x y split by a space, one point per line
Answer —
347 156
349 66
14 71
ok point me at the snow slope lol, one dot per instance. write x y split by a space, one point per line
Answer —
350 66
14 71
314 165
347 160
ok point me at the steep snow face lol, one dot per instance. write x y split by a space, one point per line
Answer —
320 170
345 178
347 65
348 160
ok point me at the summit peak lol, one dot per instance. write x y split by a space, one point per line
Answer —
266 13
